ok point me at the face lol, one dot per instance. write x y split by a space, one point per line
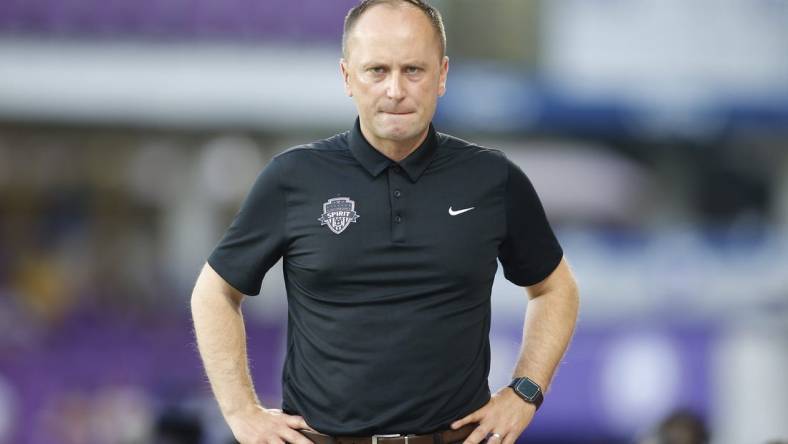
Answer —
395 73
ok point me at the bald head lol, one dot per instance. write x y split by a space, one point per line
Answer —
430 13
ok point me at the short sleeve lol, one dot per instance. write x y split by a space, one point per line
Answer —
255 239
530 250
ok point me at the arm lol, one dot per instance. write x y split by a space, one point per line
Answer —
549 324
221 340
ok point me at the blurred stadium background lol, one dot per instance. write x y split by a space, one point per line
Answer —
655 132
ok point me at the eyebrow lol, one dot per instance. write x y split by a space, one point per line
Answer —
371 64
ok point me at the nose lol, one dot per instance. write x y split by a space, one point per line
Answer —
394 90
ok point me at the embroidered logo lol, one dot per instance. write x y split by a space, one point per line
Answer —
456 212
338 213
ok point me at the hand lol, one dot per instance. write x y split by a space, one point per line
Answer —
258 425
505 414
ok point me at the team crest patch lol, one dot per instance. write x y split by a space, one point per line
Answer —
338 213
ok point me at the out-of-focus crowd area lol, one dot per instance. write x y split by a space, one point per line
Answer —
654 132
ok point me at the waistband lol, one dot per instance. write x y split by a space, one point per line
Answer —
442 437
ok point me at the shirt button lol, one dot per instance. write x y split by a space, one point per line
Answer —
396 169
397 193
398 219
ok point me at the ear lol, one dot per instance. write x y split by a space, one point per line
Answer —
345 71
444 73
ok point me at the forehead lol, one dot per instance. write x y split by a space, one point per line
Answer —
393 31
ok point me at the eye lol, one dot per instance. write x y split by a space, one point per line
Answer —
412 70
377 70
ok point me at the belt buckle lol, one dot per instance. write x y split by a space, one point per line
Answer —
393 435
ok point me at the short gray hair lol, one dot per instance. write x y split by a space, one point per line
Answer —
433 14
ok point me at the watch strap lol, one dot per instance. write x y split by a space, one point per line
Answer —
528 390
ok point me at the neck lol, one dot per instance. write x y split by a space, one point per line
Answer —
395 150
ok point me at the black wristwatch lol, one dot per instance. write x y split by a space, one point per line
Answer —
528 390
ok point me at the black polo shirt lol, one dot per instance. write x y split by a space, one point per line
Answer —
388 269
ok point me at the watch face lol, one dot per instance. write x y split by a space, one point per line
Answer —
527 388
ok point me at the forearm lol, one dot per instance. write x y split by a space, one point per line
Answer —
221 339
549 323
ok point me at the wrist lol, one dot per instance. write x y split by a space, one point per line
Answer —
517 404
528 391
244 409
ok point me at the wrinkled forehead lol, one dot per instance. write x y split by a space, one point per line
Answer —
395 32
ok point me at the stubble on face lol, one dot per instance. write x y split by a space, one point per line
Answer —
394 72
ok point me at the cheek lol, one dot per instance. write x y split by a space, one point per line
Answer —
370 94
428 95
367 99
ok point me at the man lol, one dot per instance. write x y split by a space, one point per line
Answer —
390 234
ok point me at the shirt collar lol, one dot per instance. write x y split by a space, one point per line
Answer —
375 162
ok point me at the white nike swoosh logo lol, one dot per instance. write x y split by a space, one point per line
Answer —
454 213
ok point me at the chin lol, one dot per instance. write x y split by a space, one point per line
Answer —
399 132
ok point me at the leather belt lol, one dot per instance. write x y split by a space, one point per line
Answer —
443 437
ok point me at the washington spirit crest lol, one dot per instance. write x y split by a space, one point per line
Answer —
338 213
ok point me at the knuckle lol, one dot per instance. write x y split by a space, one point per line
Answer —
283 431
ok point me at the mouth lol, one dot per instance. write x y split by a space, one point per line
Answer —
397 113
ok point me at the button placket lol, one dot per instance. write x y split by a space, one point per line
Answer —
397 182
